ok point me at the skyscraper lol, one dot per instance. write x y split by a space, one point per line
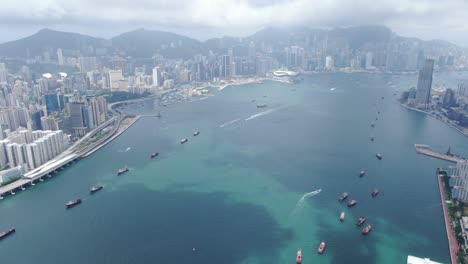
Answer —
423 90
3 73
226 72
60 56
157 77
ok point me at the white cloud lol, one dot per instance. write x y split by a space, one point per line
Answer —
421 18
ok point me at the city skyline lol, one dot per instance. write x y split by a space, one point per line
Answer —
203 20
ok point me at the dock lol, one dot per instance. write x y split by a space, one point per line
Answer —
452 240
426 150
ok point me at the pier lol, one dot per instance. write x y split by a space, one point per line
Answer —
452 240
37 174
426 150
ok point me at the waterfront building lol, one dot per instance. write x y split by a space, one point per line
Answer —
329 62
226 66
449 98
459 181
423 89
10 175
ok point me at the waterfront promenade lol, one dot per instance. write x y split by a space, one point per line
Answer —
453 243
426 150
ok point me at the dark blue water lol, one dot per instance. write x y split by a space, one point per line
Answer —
232 194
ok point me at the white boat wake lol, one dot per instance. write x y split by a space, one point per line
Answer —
230 122
127 149
260 114
307 195
250 117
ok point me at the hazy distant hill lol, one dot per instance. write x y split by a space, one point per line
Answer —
145 43
47 39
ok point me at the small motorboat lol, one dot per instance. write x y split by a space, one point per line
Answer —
342 216
299 256
375 192
184 140
362 173
321 248
154 154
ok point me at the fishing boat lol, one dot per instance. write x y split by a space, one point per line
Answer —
4 234
366 230
352 203
72 203
343 196
342 216
360 221
96 188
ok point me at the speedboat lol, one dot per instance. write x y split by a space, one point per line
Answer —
361 173
196 133
352 203
360 221
366 230
154 154
342 216
343 197
299 256
321 247
375 192
379 157
261 105
184 140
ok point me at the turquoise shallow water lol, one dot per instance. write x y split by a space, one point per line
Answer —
233 193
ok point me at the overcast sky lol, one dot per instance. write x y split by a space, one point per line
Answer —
202 19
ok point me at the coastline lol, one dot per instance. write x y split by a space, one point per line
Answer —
421 111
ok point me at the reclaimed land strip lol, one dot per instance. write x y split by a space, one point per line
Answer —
453 243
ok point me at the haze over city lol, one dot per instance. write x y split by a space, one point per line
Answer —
234 131
203 19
